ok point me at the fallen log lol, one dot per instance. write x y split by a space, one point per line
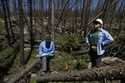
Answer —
108 72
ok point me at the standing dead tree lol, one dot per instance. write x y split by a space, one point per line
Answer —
52 19
21 27
30 27
85 15
8 24
62 13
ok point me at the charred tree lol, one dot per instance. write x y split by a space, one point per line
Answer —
30 27
21 27
8 25
11 28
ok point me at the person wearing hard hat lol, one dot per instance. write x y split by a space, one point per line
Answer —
97 38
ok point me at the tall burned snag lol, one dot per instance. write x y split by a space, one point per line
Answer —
21 27
8 24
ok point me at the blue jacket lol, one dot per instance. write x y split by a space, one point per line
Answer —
44 51
103 38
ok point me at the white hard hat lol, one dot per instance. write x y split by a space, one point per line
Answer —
99 20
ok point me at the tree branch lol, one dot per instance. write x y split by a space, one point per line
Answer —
20 74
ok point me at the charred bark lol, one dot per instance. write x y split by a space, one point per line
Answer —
31 32
21 26
8 24
96 74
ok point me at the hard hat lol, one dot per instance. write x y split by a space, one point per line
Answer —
99 21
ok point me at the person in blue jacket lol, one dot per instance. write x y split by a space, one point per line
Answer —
97 39
46 50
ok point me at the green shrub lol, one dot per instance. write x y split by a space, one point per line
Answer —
68 42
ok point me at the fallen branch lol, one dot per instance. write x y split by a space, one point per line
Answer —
21 73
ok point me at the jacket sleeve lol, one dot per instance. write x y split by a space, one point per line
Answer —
53 48
41 48
107 38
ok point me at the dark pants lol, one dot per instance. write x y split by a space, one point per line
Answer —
94 58
45 63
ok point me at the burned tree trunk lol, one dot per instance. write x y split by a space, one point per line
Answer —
96 74
52 19
31 32
5 19
8 25
21 26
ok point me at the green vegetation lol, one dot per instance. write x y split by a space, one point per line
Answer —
68 42
5 54
63 59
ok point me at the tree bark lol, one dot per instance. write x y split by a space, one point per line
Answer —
96 74
52 19
30 32
21 26
8 24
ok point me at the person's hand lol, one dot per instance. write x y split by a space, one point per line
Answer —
93 47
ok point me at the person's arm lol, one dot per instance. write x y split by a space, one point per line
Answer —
41 48
108 38
53 48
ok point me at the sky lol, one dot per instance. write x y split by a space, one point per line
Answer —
36 4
